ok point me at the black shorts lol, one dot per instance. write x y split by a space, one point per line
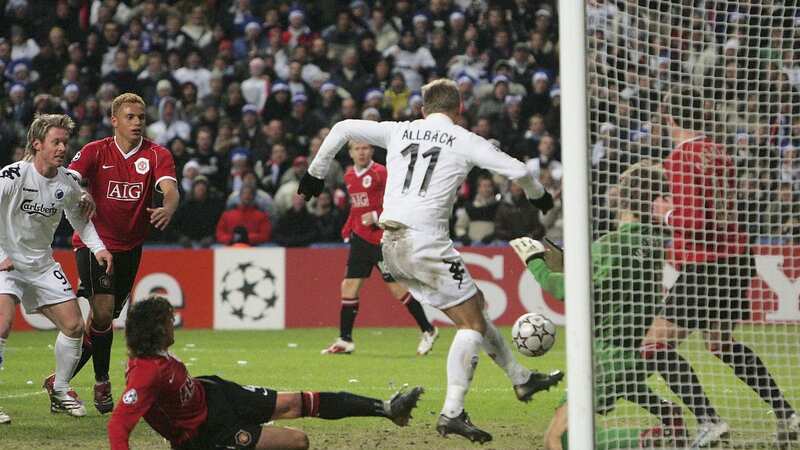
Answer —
711 292
235 415
363 256
94 280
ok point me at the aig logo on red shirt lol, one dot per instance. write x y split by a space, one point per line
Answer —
359 199
126 192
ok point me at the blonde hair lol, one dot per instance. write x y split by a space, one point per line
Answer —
41 125
442 96
128 97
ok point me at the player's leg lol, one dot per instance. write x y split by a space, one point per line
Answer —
399 292
281 438
525 382
348 311
340 405
360 260
66 316
728 289
7 307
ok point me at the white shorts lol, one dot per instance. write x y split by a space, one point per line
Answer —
429 266
37 289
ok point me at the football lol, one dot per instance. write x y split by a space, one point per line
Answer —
533 334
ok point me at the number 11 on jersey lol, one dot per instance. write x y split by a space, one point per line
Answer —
432 153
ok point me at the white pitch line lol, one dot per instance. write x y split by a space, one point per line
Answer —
27 394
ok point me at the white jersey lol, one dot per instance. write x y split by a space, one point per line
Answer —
427 161
30 210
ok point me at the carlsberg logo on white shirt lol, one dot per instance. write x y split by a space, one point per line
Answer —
30 207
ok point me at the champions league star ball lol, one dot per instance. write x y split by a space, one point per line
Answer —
533 334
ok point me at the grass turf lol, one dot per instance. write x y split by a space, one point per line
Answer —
384 360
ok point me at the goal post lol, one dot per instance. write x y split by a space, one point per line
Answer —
575 191
681 156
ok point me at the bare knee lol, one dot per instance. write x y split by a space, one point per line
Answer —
73 327
350 287
102 311
302 442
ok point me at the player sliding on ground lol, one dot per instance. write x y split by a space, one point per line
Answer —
630 256
365 182
209 412
427 160
33 194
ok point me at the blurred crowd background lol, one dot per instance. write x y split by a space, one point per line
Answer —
242 92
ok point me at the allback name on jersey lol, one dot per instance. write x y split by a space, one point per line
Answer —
436 136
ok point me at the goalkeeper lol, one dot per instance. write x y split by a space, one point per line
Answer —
627 268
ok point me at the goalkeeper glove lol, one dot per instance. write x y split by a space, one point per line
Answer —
310 186
544 203
527 249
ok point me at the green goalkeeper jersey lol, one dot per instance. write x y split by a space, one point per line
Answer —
626 274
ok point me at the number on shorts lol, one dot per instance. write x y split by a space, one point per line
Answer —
57 273
433 154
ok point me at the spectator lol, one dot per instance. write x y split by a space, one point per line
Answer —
413 60
121 74
475 220
350 76
546 159
300 124
297 227
255 221
250 135
194 71
274 169
491 106
262 200
516 217
278 104
341 36
538 99
210 162
255 89
197 217
169 124
329 218
385 33
197 29
289 183
397 95
22 46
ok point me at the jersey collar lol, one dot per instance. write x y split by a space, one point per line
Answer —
133 150
364 170
439 117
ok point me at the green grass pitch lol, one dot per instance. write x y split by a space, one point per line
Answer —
384 360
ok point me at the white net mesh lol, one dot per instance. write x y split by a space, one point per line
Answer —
700 100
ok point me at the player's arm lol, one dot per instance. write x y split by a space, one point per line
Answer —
489 157
74 210
141 392
161 217
688 213
6 188
373 133
532 253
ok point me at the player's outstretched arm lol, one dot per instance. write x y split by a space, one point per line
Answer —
373 133
533 254
76 217
489 157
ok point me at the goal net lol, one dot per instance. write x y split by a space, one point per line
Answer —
694 136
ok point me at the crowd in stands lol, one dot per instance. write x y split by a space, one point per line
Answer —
243 92
741 58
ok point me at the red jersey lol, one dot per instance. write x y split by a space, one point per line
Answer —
365 188
160 389
122 185
702 181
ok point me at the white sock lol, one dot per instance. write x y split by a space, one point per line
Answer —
461 362
68 353
2 350
497 349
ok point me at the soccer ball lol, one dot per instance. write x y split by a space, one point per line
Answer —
533 334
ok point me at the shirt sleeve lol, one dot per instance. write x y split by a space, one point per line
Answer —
84 162
83 226
373 133
489 157
550 281
165 167
140 393
687 193
6 190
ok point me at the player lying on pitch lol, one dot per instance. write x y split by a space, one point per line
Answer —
209 412
631 256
